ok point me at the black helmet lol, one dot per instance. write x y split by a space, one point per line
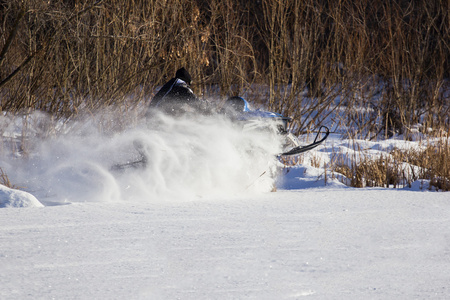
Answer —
184 75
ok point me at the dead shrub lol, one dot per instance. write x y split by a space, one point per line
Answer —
4 180
398 168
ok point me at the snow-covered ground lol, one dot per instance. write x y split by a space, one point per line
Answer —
200 223
325 243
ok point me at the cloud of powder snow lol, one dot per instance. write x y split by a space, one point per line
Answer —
186 158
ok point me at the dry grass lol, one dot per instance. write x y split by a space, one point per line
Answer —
4 180
433 164
64 57
379 172
398 168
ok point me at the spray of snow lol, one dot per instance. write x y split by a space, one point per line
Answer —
187 158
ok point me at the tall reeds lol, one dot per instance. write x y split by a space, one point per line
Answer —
314 56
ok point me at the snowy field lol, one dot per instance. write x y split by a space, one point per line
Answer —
324 243
200 222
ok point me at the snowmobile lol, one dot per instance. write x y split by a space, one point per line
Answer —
238 110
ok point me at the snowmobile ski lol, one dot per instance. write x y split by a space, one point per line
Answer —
132 164
139 163
319 139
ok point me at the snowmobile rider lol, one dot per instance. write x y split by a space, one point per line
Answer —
176 96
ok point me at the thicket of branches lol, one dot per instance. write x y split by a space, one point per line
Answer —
63 56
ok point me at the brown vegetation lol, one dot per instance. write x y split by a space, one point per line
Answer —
4 180
61 56
399 168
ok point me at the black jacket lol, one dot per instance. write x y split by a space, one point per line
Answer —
174 92
175 97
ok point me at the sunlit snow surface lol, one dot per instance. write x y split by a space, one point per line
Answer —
322 242
201 224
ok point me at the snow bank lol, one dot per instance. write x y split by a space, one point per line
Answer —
15 198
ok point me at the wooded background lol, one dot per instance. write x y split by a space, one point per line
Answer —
65 56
